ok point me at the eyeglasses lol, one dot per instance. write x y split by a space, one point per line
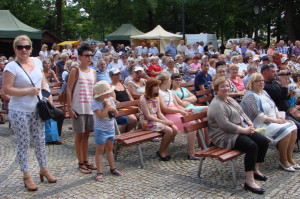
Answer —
88 55
178 79
20 47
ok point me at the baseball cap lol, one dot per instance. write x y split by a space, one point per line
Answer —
283 59
94 43
255 58
114 71
116 56
138 68
294 88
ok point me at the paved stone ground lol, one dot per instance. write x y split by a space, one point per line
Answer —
173 179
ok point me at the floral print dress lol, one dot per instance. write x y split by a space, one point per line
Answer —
149 124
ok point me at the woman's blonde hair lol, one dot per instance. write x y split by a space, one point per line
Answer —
253 78
163 77
44 46
218 81
68 63
232 66
21 38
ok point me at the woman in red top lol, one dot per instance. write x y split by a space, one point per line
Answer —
154 69
235 79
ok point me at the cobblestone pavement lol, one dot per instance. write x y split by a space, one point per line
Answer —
173 179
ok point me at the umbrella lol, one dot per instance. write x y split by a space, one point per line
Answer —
73 43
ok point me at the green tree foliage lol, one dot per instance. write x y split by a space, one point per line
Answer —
226 18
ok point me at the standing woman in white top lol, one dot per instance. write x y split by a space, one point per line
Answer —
22 108
43 53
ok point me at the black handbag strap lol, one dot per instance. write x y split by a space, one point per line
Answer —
29 78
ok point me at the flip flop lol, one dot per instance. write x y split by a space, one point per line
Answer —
89 165
82 168
99 177
116 172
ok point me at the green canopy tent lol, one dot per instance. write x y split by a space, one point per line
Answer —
11 27
123 33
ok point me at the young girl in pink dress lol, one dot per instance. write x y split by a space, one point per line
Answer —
173 111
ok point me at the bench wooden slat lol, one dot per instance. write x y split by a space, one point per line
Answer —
195 126
220 152
205 99
230 155
131 134
205 92
143 138
199 153
209 152
193 117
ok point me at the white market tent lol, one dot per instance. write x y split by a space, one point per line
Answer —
159 36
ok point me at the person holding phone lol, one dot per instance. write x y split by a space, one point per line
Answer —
79 106
22 108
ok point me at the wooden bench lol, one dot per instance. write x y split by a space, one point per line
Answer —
55 84
221 154
207 96
136 136
189 85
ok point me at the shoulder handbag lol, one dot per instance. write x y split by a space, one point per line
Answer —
43 107
63 96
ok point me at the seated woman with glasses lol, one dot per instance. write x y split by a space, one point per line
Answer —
186 97
261 109
230 127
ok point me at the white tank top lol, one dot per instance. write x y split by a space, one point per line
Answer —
83 92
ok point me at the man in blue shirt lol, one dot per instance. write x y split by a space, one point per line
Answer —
102 72
281 48
203 79
171 49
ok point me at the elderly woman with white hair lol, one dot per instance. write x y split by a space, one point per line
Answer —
154 69
170 69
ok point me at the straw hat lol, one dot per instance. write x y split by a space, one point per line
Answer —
101 88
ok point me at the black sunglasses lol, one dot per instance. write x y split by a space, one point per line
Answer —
20 47
88 55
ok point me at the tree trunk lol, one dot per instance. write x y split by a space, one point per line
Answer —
289 19
58 6
268 35
278 28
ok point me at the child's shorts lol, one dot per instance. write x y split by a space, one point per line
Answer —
102 136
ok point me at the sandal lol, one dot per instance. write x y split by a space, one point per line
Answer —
99 177
83 169
89 165
116 172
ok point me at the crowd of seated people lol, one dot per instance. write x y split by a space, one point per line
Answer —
253 86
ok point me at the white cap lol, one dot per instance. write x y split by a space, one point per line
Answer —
283 59
138 68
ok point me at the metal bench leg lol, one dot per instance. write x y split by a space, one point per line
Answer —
200 167
233 174
116 150
141 156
